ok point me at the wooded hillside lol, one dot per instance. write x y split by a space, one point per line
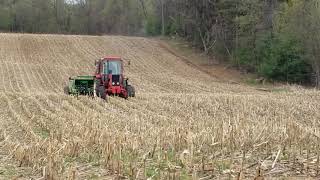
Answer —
277 39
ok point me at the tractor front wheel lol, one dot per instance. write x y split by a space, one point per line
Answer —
102 92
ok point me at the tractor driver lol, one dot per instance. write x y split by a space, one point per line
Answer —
113 67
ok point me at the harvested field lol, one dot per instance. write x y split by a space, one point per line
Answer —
183 124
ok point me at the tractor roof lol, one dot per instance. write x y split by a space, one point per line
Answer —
113 57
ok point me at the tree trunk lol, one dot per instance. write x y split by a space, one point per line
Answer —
162 18
144 8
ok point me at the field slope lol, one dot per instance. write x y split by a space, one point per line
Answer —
182 124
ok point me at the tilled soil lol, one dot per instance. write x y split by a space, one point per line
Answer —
183 123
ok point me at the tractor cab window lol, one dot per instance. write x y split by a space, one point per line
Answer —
112 67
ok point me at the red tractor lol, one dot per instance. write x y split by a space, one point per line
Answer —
109 79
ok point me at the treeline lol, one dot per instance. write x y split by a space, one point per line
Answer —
277 39
72 16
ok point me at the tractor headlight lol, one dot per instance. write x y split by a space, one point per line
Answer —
113 83
118 83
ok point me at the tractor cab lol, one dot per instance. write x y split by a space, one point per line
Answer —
113 67
110 70
109 65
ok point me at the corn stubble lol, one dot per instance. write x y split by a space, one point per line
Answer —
182 125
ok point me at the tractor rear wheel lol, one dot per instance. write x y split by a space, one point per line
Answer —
131 91
102 92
